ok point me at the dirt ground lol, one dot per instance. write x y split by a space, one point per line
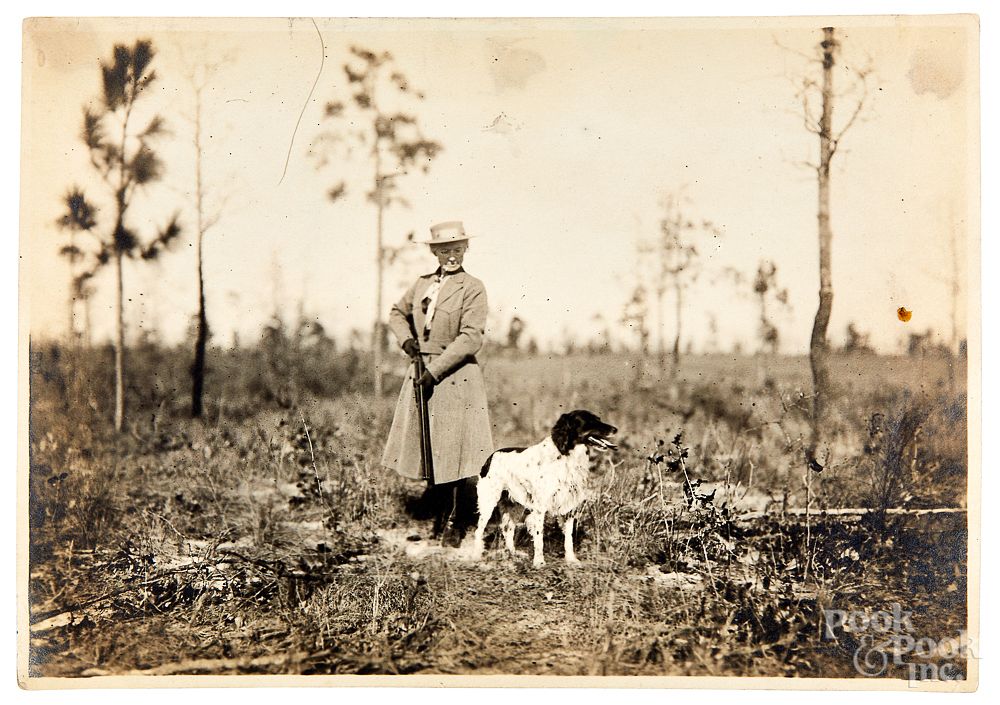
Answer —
274 543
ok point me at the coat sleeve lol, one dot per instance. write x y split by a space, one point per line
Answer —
401 314
470 334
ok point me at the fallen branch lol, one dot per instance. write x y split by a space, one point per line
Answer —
852 512
61 616
64 615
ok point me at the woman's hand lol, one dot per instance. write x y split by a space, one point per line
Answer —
411 347
426 380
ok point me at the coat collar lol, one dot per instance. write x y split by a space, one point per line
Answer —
452 284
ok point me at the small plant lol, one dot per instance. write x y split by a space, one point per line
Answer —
674 459
891 452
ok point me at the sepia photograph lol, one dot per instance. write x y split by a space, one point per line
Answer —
516 351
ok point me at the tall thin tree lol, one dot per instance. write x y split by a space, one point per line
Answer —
205 218
954 276
829 140
675 256
635 316
765 289
394 145
126 163
201 338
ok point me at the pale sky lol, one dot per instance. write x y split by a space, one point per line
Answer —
591 123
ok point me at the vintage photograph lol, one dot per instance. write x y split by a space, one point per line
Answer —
616 350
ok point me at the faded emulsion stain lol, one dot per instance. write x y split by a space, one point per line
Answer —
511 66
903 314
938 63
502 125
506 128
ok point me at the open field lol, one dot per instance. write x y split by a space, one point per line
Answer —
266 538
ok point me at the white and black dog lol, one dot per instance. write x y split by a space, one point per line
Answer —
550 477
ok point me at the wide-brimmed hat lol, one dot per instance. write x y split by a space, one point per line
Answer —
450 231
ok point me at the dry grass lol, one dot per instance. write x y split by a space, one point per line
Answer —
217 546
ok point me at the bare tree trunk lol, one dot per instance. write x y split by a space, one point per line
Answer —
955 288
72 335
378 332
763 322
661 347
198 368
87 337
119 346
377 337
640 362
119 294
817 344
677 337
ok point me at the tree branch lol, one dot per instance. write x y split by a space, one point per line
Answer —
811 58
810 122
862 76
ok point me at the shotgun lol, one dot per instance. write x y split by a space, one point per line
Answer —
423 418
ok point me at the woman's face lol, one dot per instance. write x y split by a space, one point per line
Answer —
450 255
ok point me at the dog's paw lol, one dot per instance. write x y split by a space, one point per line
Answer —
538 563
572 560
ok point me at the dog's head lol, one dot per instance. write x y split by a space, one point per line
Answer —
581 426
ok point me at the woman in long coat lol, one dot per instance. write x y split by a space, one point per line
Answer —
442 318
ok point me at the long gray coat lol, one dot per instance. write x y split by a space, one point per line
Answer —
461 437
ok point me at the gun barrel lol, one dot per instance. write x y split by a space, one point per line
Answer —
423 418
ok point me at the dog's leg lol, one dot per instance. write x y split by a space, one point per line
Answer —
507 526
489 494
466 509
536 526
567 526
484 518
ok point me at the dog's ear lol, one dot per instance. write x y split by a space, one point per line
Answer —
564 433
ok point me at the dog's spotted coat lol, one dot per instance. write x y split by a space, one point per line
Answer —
550 477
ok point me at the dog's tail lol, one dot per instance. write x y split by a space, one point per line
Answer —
486 466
